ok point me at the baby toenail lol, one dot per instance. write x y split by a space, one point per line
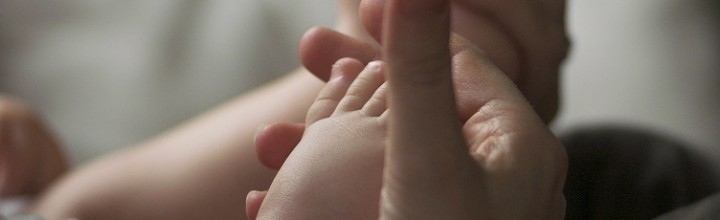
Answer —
374 65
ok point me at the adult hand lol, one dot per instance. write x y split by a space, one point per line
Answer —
30 156
526 34
507 165
526 39
503 163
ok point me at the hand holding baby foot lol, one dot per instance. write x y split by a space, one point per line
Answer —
525 38
502 164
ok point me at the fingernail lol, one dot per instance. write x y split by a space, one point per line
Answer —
374 65
258 130
336 71
261 128
251 194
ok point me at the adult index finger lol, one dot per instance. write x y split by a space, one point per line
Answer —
427 161
426 142
416 48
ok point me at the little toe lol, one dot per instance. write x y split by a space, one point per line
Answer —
362 88
344 72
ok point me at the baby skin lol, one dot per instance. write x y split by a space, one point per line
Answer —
525 39
339 161
501 163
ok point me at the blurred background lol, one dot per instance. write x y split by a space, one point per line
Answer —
109 74
652 64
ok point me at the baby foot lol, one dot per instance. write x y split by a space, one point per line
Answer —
527 40
338 163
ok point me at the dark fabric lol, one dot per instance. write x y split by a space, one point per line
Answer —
624 173
706 209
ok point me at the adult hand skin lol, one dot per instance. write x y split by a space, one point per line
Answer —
30 156
503 163
508 165
526 39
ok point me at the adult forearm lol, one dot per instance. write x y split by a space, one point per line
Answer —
200 170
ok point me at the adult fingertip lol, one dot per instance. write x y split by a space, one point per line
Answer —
371 16
253 201
262 143
266 147
320 48
275 142
311 44
415 39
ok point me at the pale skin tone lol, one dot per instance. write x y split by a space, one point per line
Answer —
503 163
321 47
218 145
338 164
164 173
527 40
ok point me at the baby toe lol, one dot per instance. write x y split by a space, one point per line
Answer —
344 72
363 88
